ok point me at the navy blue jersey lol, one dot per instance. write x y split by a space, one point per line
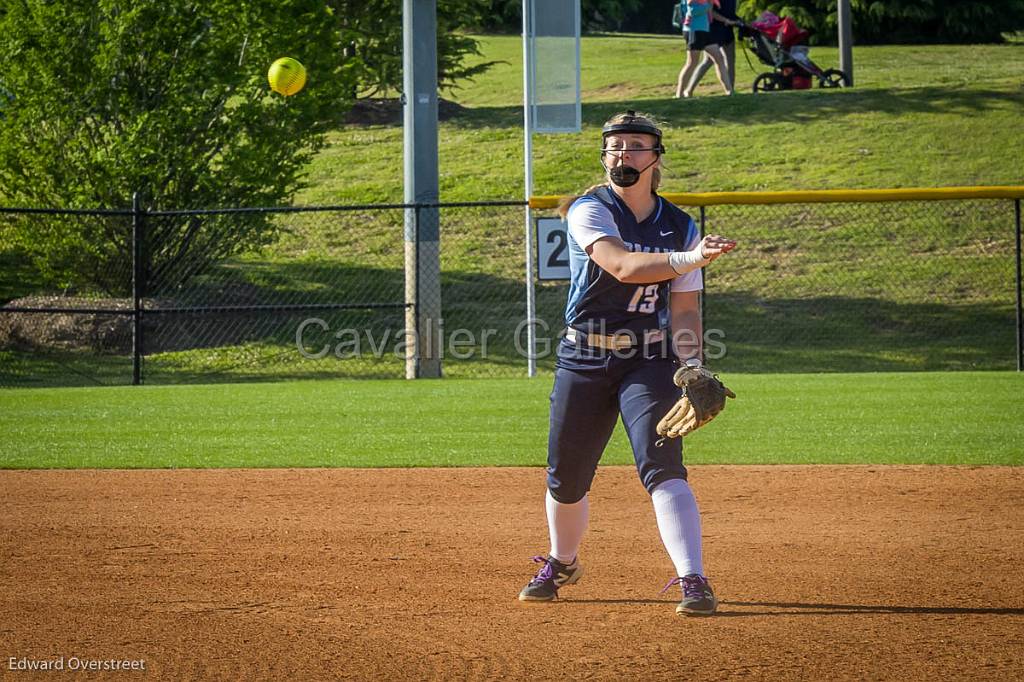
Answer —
598 302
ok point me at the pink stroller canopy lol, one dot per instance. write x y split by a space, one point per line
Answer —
784 31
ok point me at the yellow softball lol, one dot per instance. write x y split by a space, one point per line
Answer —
286 76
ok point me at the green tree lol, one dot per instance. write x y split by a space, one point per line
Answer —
372 30
936 21
595 15
900 21
170 98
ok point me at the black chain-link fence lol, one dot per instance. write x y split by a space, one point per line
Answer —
851 287
924 285
243 318
328 297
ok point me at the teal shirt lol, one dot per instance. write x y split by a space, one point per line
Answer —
698 15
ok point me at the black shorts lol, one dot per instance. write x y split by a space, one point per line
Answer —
722 34
698 40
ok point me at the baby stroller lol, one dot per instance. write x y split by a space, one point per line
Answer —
777 43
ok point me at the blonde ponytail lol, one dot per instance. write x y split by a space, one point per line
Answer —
566 203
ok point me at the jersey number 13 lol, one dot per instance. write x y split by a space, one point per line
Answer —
644 299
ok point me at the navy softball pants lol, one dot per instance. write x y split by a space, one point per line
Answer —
592 390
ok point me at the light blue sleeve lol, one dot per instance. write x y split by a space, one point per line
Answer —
590 220
693 280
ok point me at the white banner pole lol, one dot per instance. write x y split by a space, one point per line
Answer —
531 329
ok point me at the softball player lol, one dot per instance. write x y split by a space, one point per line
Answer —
632 313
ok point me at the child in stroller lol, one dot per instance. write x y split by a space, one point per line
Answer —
778 44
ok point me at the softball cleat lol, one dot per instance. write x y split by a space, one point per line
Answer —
554 574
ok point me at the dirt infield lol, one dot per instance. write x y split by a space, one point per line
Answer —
822 572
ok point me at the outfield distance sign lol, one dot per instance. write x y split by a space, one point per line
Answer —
552 249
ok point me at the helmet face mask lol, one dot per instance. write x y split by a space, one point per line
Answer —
631 123
623 175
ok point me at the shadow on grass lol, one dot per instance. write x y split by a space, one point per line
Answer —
849 334
18 277
760 334
801 106
54 367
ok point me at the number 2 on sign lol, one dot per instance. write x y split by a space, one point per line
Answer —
644 299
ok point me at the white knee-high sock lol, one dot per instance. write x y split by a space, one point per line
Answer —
566 525
679 523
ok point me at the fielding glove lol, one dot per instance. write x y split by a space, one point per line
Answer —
703 398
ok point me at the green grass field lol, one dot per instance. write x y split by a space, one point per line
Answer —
919 116
905 124
900 418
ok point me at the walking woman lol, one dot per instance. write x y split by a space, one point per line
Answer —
700 39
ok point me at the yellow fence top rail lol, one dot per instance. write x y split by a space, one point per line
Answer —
823 196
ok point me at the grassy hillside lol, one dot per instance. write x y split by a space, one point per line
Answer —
919 116
823 288
812 289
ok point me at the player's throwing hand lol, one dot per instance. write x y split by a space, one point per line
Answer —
714 245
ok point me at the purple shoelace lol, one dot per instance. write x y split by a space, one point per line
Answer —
546 573
693 585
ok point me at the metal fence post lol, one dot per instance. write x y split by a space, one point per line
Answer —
419 89
138 287
1020 316
845 22
417 307
413 348
531 300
